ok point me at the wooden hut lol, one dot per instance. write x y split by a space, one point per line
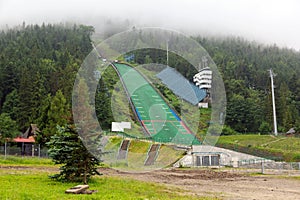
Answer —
27 139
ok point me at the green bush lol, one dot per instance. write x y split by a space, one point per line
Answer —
264 128
296 158
227 130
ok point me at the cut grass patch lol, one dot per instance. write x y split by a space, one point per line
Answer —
24 161
114 143
137 146
280 148
168 155
137 155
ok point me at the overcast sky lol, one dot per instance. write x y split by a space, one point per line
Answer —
266 21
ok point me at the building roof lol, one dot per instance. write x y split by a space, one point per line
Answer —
181 86
25 140
31 131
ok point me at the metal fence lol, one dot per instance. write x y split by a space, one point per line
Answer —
263 166
271 167
23 149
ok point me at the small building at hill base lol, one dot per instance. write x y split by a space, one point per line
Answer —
32 130
211 156
26 140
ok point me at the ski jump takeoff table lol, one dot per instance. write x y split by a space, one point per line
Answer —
158 119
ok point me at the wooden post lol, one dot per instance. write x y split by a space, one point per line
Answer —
39 150
22 152
32 150
262 168
5 145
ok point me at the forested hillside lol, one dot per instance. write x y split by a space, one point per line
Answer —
245 66
38 65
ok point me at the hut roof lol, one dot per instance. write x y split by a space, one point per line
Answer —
25 140
32 130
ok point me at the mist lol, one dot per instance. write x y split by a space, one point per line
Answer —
269 21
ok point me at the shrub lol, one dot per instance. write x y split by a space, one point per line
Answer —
264 128
227 130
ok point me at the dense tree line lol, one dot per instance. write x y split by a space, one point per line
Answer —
146 56
38 65
244 67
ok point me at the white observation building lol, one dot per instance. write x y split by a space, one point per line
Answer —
203 79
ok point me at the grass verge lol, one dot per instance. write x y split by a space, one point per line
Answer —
33 183
267 146
25 161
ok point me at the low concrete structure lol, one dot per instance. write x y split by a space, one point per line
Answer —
210 156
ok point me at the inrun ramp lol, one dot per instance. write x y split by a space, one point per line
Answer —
158 119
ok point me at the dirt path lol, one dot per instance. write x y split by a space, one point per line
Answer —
224 185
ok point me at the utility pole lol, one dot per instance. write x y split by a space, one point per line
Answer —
94 47
5 152
273 102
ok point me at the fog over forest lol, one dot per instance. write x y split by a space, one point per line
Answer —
269 21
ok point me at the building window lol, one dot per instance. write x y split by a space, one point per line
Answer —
205 161
198 160
215 161
208 160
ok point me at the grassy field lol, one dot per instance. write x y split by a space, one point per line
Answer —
281 148
25 161
31 182
167 155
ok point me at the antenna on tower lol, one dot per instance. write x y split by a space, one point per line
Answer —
203 64
167 52
273 102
